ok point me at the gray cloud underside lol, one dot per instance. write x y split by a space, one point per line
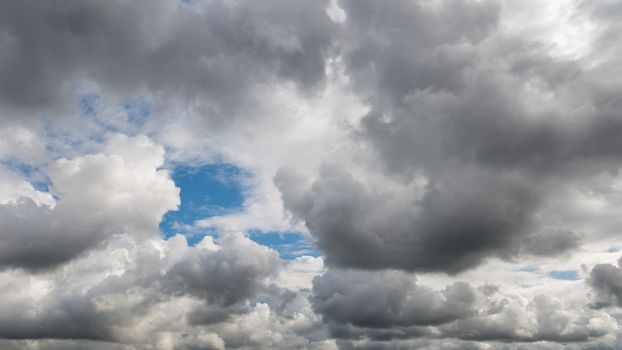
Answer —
497 125
606 282
211 285
213 60
390 305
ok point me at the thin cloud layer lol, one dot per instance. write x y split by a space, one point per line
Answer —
455 165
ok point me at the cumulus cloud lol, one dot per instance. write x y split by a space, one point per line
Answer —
118 191
13 188
225 275
383 306
153 294
472 142
190 53
353 297
606 282
471 131
450 226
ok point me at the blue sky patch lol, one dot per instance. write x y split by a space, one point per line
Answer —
31 173
138 111
218 189
90 107
206 191
89 104
570 275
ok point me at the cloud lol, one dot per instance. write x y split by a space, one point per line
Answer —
552 241
156 294
353 297
13 187
475 143
449 226
225 276
118 191
389 307
186 53
606 282
471 133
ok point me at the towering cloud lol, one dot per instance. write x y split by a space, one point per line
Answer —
471 131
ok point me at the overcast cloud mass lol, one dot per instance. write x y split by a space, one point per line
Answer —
357 174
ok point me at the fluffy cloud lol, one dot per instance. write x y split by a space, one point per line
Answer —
118 191
191 53
353 297
471 133
226 275
379 307
473 142
155 294
13 188
450 226
606 281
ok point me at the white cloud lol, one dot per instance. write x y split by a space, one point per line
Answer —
119 191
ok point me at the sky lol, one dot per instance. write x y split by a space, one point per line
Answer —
325 175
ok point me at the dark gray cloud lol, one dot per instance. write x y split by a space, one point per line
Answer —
496 125
388 299
474 105
389 308
225 277
460 93
449 225
210 54
606 282
24 228
67 315
395 49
